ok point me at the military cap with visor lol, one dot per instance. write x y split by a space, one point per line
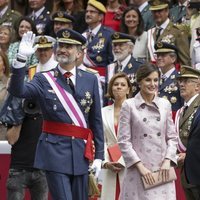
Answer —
188 72
164 47
44 41
118 37
62 16
158 4
70 36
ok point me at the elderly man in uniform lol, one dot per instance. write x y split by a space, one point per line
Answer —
22 171
166 58
99 48
122 47
8 17
188 125
40 15
166 31
70 105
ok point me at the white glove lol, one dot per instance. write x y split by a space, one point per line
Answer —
96 166
26 47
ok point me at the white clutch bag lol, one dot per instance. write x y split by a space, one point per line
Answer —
172 177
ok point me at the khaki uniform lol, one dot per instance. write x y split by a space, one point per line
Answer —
172 34
184 129
9 18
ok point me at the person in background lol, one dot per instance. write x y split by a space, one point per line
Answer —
147 139
169 89
187 123
23 25
143 7
114 11
4 76
99 48
6 35
74 8
8 17
178 12
119 89
132 23
40 15
65 145
123 45
196 51
60 20
166 31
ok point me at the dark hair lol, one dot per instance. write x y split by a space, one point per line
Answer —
6 63
77 6
17 24
140 27
112 80
145 70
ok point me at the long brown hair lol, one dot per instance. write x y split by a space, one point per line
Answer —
6 63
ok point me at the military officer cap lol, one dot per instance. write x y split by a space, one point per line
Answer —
98 5
164 47
188 72
44 41
158 4
62 16
118 37
194 4
69 36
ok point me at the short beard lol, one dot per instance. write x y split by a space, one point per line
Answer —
65 60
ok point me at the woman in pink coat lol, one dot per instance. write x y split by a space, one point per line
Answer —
147 139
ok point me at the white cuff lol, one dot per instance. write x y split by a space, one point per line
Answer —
17 64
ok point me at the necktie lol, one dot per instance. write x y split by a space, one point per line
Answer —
118 67
67 76
90 36
158 32
185 109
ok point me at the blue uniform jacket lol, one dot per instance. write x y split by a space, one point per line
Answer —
131 69
59 153
100 48
170 91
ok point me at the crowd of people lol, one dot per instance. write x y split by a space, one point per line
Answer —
106 86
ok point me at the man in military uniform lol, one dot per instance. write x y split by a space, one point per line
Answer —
8 17
178 12
22 172
40 15
60 20
122 45
166 31
70 105
99 48
168 88
188 126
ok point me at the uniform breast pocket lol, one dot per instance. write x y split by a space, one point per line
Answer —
52 102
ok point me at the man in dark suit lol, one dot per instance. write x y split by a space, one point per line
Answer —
122 45
70 104
189 129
